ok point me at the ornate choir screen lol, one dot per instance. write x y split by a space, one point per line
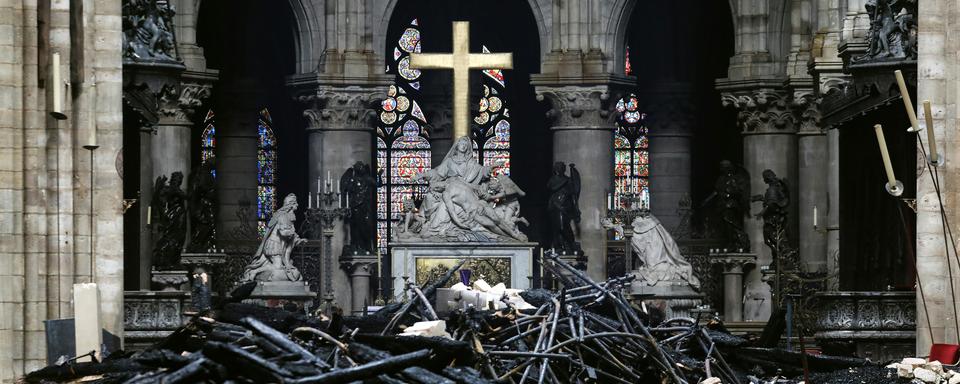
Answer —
403 138
631 163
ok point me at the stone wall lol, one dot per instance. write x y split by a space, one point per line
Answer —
45 199
937 80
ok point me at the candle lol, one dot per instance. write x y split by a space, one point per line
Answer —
55 66
931 138
309 200
609 201
891 180
907 103
338 185
814 216
149 211
318 186
348 201
92 133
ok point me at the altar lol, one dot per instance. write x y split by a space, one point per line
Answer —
507 263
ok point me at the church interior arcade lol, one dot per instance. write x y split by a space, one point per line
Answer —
335 158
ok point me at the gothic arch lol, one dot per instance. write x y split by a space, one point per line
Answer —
308 36
384 15
619 24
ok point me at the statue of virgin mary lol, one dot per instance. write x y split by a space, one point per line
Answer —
461 163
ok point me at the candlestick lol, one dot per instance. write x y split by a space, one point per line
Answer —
931 136
57 111
907 103
814 216
893 186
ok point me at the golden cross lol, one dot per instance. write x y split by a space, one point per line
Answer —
461 61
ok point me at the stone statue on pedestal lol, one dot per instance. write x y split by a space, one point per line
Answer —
272 258
170 219
359 186
731 196
463 203
661 261
776 202
563 208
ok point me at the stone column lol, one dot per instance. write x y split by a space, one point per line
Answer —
359 268
583 135
812 163
733 268
769 142
170 147
671 117
833 209
236 155
340 133
152 91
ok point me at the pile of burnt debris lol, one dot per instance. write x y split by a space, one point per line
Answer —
587 332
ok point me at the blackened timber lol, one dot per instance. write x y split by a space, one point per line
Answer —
385 366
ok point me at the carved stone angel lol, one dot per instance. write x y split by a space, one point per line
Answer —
563 208
170 219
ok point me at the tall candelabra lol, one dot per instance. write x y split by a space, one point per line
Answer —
623 210
328 210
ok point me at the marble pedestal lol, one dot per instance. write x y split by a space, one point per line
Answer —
675 300
410 258
277 294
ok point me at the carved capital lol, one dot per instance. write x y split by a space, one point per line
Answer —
733 263
578 106
342 108
761 110
806 108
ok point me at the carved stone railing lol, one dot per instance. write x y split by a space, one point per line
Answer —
876 325
149 316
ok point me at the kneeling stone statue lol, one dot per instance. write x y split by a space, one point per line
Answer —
272 259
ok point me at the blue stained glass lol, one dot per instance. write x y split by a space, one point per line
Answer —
266 169
208 141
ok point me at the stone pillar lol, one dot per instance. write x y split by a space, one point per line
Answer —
146 197
583 135
152 90
236 156
671 115
812 168
359 268
340 133
769 142
733 268
170 147
938 75
833 209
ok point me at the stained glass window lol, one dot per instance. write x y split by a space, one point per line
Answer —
627 68
403 148
492 132
631 156
208 141
266 170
